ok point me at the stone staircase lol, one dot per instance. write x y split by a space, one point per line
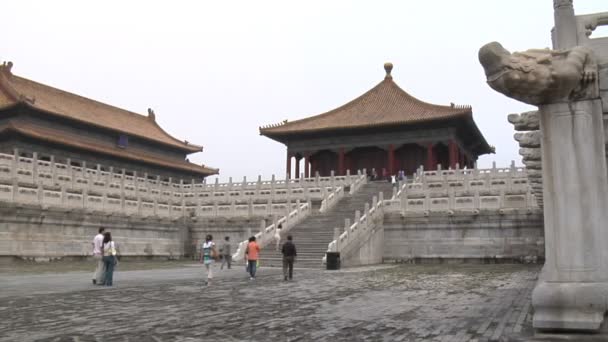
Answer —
312 235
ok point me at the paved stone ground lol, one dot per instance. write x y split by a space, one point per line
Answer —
396 303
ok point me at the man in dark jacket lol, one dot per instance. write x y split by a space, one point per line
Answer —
289 256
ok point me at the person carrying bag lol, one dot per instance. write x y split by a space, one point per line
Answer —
110 258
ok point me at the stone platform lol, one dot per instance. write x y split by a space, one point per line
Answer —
383 303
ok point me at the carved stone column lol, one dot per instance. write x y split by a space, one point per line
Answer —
341 170
431 163
391 159
572 291
453 153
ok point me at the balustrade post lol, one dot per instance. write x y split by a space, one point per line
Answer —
35 167
53 171
262 229
374 201
404 200
298 207
83 170
217 184
15 163
476 200
337 238
85 194
269 207
427 201
347 226
332 179
258 185
70 171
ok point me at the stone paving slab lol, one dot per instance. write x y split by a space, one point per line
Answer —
402 303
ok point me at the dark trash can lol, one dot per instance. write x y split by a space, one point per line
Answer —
333 260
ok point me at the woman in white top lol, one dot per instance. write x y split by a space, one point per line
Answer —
208 255
109 258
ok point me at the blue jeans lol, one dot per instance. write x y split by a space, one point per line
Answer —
252 264
109 262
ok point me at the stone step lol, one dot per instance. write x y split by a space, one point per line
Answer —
313 235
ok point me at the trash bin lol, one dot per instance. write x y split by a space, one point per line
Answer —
333 260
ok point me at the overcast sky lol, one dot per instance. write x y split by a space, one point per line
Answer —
214 71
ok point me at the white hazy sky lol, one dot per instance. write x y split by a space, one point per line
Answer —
214 71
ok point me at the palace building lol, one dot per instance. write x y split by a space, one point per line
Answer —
40 121
385 129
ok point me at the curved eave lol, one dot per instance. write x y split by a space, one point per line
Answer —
178 145
273 132
169 164
484 147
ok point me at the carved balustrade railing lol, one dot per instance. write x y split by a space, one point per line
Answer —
271 234
361 229
46 183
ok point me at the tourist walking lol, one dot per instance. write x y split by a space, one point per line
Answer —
208 256
252 254
289 257
97 256
109 258
226 253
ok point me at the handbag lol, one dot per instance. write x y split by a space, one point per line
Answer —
214 254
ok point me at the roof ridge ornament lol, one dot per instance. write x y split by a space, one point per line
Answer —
151 115
7 66
388 67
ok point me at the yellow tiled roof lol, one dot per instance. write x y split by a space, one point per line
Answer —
384 105
15 89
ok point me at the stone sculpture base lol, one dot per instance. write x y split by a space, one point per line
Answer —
571 306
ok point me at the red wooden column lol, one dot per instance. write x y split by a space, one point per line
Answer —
431 163
306 166
391 159
453 153
297 167
341 170
288 166
462 162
